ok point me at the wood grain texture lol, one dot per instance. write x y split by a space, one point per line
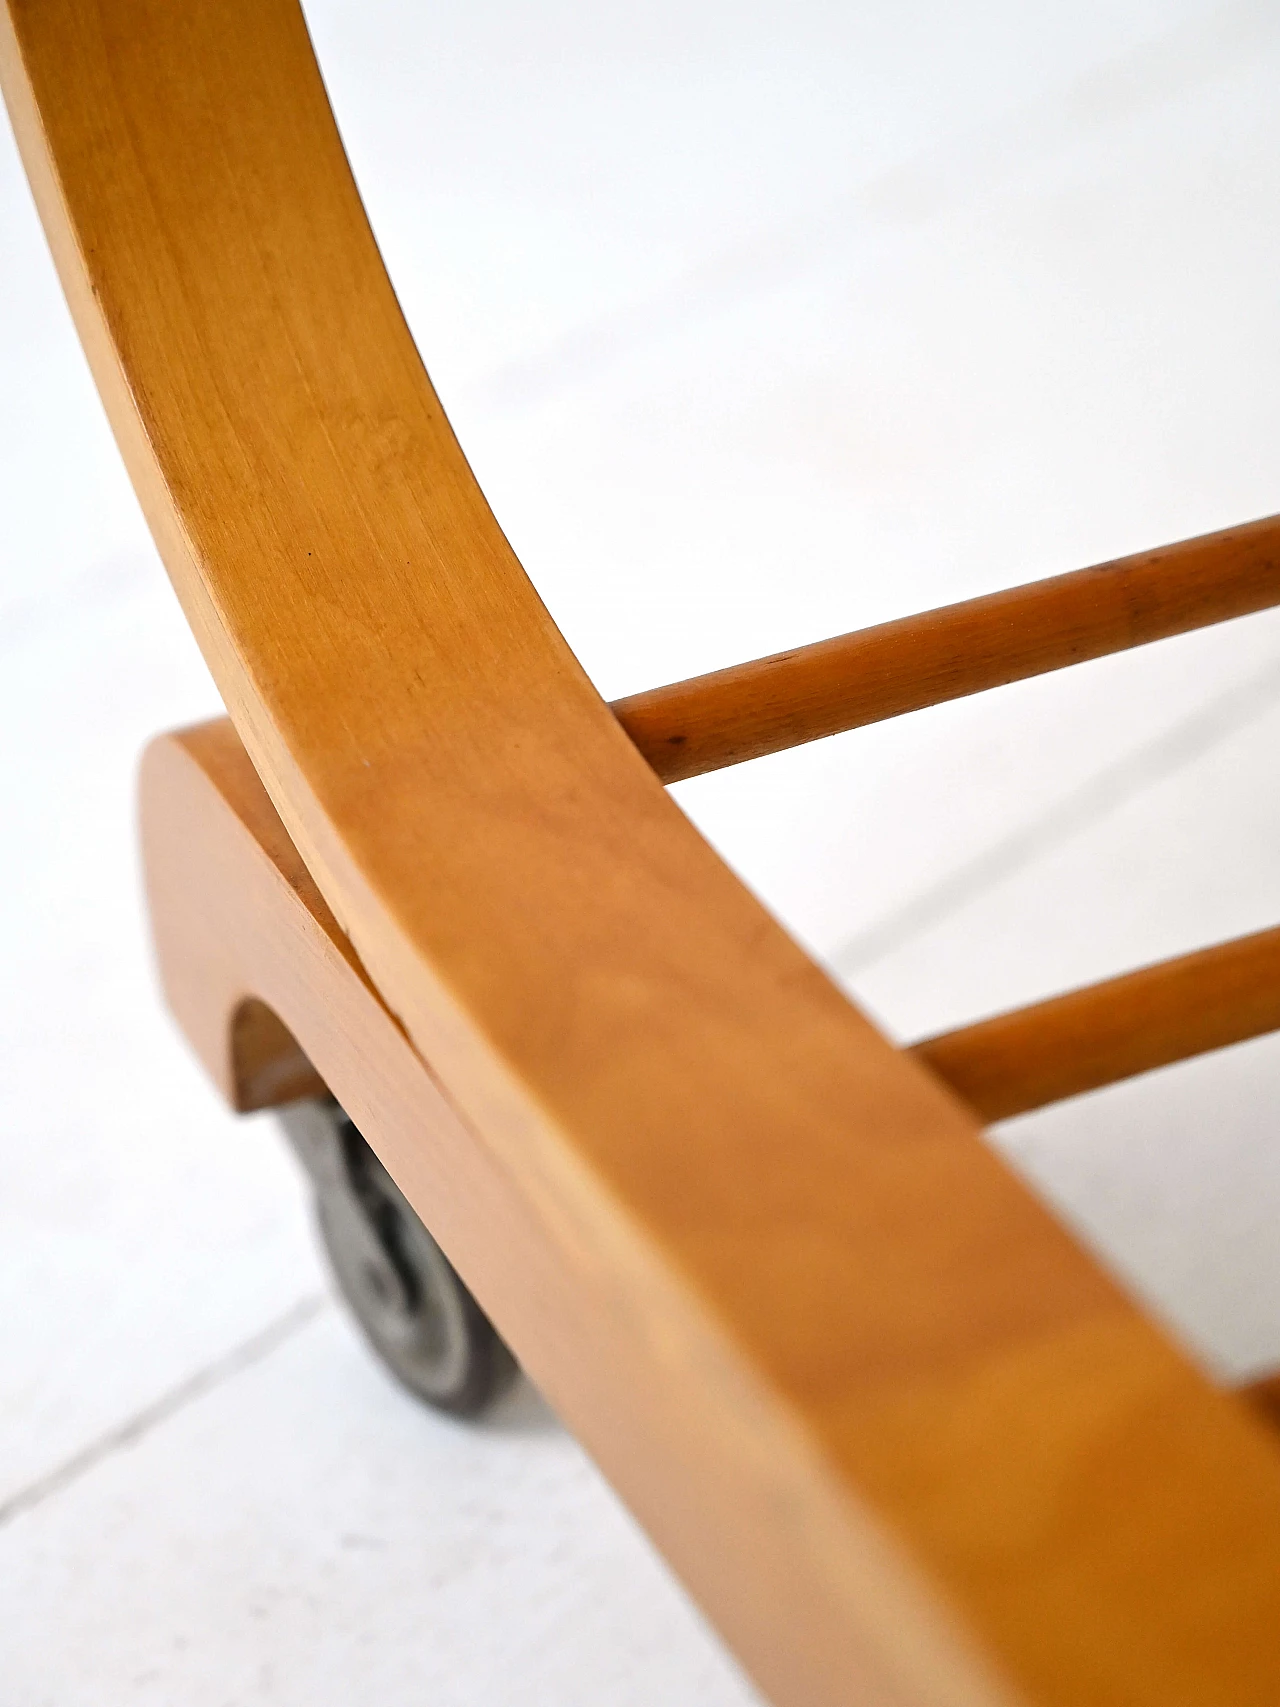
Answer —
238 918
901 1436
764 706
1096 1036
662 1402
247 916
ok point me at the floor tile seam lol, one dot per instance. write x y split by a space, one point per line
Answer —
1071 815
250 1352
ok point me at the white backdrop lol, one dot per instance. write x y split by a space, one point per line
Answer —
760 322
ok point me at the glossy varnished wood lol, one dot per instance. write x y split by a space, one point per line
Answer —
1114 1030
233 910
241 925
903 1438
772 703
245 915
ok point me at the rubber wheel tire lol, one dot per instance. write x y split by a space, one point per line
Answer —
408 1299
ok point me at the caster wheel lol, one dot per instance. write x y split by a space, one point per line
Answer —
414 1310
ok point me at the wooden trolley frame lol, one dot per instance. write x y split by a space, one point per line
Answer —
903 1438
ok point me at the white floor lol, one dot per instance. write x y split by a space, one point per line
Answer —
760 322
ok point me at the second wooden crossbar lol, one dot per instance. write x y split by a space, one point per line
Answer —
1112 1031
764 706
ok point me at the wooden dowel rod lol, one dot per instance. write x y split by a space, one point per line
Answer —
1111 1031
772 703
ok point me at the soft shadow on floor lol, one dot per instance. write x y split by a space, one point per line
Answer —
521 1410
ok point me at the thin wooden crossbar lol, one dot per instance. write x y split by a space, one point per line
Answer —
1111 1031
236 910
769 704
900 1434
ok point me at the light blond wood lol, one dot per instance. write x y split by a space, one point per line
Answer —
901 1436
246 916
237 916
239 925
1114 1030
810 692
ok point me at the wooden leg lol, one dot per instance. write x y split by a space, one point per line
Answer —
248 1050
264 983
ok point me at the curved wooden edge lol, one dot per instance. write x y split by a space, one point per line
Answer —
727 1493
1115 1030
750 710
257 1063
865 1352
736 1499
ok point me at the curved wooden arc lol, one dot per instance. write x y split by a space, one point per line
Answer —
1007 1065
770 704
774 1210
245 918
240 925
235 910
